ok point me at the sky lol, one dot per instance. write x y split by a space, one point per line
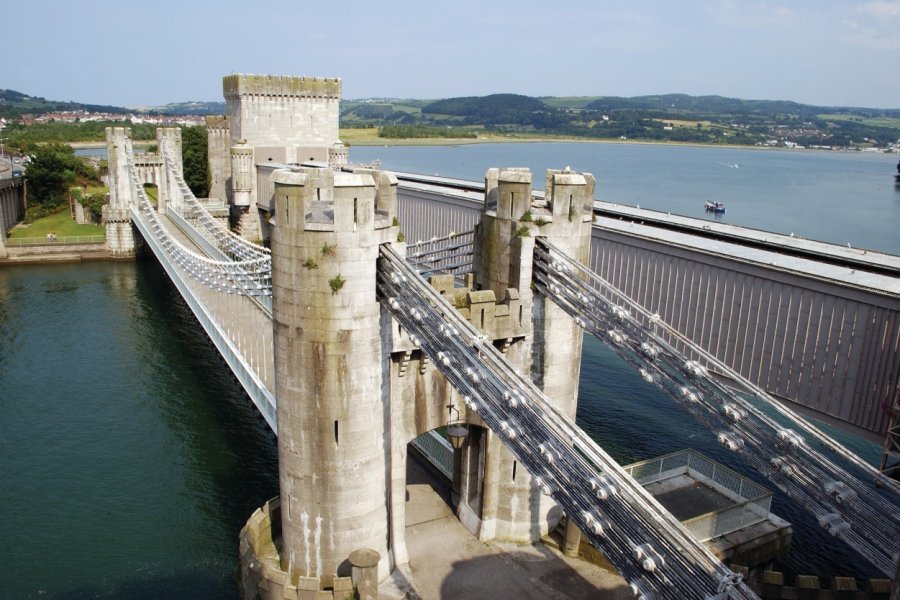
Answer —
152 52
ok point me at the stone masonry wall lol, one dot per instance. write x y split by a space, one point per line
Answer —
283 112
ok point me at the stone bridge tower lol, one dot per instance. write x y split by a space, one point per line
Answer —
121 239
269 119
330 379
550 348
168 141
120 234
354 390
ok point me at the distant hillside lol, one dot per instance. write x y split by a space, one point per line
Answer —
13 104
664 117
187 108
672 118
497 109
721 105
702 105
381 111
568 101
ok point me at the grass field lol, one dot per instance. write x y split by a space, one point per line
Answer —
60 223
891 122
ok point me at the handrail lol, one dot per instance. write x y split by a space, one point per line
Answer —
58 241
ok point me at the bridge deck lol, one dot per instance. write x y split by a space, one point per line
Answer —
248 327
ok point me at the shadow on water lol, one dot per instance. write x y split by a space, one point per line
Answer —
224 434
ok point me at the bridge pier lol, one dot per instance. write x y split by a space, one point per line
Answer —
354 389
551 346
121 239
13 194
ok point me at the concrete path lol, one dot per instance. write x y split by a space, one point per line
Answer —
448 563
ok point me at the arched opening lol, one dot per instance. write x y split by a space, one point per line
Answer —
441 479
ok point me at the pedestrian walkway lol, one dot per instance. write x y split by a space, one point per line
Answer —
448 563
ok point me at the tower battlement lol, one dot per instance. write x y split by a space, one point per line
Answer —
329 201
217 122
277 85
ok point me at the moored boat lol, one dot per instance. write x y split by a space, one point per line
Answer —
715 207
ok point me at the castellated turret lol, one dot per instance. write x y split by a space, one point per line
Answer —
329 365
241 174
218 142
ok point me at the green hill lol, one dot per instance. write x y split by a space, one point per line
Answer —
13 104
496 109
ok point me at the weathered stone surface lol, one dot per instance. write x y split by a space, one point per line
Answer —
365 572
327 353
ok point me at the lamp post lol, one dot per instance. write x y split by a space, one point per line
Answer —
456 429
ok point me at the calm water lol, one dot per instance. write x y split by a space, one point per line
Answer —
130 459
830 196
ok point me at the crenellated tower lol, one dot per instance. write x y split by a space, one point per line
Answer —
354 389
270 119
121 241
168 141
218 143
329 369
549 347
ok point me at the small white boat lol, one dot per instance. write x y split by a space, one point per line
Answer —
715 207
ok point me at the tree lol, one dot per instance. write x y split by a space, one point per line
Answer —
52 170
194 155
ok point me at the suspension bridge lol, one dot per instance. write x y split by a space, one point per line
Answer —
228 283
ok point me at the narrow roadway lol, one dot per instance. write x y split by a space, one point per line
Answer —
451 564
249 329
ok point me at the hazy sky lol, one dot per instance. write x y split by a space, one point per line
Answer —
131 53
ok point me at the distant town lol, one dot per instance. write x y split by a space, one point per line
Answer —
83 116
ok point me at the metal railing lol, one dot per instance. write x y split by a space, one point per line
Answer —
451 254
652 551
437 450
752 502
58 241
250 379
850 499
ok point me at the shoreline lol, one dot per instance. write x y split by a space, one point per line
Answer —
57 254
389 142
372 141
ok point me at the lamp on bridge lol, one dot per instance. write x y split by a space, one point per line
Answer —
456 429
